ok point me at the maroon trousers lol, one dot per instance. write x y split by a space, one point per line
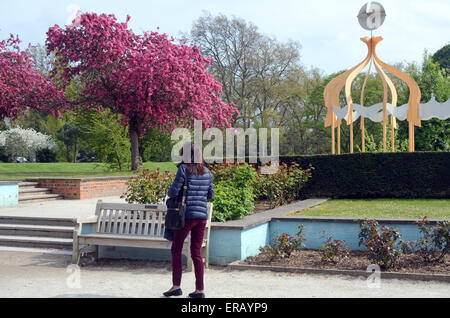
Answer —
197 229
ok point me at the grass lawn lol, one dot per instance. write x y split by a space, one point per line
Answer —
21 171
382 208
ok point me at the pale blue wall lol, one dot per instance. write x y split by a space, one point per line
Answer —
253 239
230 244
9 195
225 246
340 230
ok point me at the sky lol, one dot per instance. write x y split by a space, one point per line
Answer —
328 30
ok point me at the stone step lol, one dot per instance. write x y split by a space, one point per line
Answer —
28 184
33 191
37 230
40 198
35 242
55 251
38 221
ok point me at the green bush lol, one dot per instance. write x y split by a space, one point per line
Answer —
384 248
284 186
234 196
334 251
231 203
148 187
376 175
238 175
46 155
435 241
284 245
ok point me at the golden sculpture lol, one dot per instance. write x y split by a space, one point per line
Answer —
345 80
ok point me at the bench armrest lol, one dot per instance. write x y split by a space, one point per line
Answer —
88 220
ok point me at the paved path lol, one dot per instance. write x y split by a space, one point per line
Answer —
38 274
45 275
58 208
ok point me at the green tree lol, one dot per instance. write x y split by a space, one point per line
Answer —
69 134
442 57
106 136
432 80
156 146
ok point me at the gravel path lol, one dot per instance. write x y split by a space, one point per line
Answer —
25 274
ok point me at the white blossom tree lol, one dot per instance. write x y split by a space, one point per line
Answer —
19 142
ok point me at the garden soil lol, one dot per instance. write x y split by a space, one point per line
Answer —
357 260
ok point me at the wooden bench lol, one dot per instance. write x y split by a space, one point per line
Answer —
131 225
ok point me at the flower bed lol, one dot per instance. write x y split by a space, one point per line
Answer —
384 246
356 261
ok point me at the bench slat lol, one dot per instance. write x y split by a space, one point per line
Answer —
147 220
127 223
152 228
141 222
122 221
103 221
110 220
116 219
159 224
133 222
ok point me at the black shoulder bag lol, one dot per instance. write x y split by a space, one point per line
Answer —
176 209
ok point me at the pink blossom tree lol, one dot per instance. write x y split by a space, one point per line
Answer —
148 79
22 87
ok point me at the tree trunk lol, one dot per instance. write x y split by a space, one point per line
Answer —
75 151
68 158
118 157
135 157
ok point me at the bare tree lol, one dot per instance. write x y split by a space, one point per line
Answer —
254 69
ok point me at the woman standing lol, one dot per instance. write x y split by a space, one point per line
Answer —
200 189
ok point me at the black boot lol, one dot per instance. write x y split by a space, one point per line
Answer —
176 292
197 295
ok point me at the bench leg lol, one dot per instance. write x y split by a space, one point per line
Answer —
75 253
75 248
207 257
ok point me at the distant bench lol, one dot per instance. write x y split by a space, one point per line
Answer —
132 225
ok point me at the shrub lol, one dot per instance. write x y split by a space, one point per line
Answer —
376 175
284 245
231 203
46 155
149 187
233 187
435 243
284 186
385 248
334 251
238 175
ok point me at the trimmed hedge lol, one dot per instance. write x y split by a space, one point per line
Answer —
377 175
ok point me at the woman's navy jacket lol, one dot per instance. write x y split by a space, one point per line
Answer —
200 189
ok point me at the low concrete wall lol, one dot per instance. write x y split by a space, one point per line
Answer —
9 193
87 188
237 240
317 229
